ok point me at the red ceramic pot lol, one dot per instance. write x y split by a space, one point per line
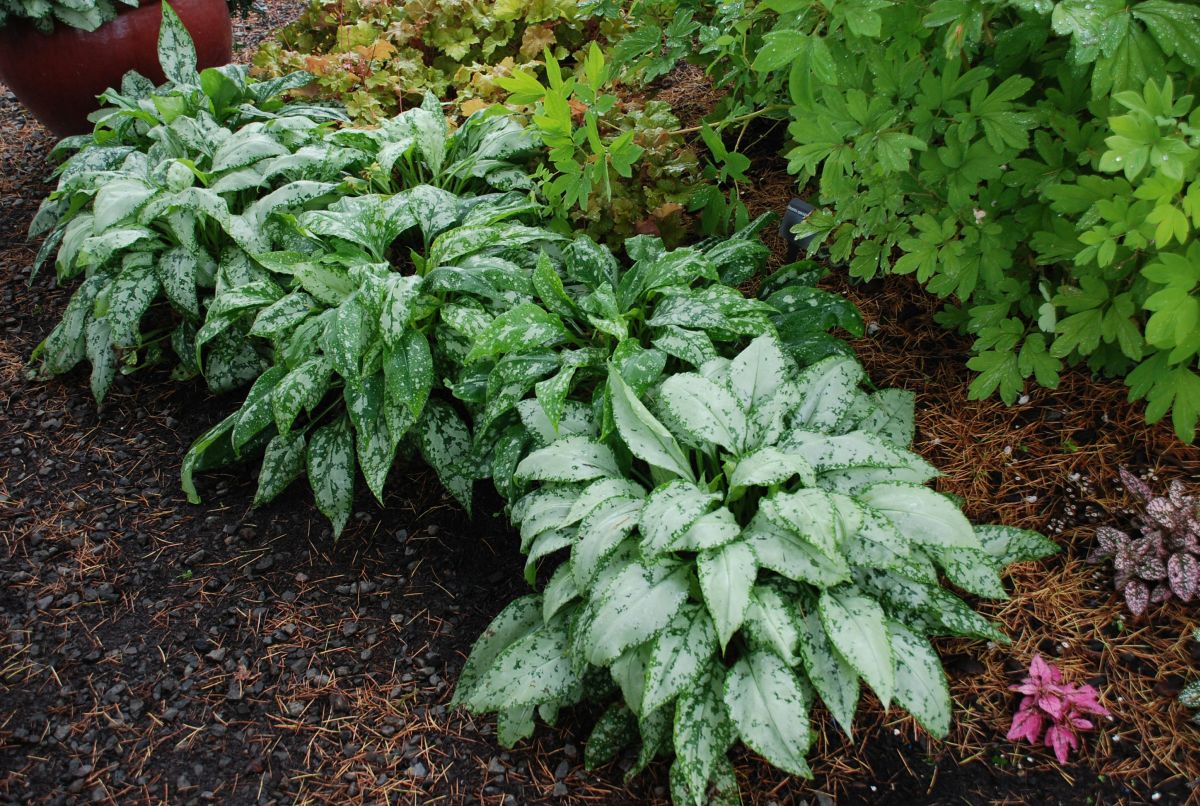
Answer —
57 76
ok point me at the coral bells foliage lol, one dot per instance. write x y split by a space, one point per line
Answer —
1165 561
1057 708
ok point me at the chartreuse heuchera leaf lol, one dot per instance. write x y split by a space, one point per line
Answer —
746 591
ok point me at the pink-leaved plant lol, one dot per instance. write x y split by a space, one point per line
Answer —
1053 706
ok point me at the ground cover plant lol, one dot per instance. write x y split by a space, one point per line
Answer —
724 522
759 535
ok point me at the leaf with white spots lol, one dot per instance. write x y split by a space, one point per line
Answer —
642 433
693 346
302 388
99 346
726 577
445 443
921 687
517 329
282 463
769 707
569 459
856 627
129 297
922 515
680 653
331 471
408 370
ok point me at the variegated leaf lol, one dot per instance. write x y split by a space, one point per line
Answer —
680 653
642 433
921 687
726 577
856 626
637 604
769 707
331 471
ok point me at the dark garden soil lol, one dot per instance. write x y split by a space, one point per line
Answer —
152 651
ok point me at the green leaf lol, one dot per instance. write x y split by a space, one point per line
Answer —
767 466
637 604
703 731
769 707
726 577
973 570
856 626
600 533
771 624
922 515
1010 545
176 53
833 678
642 433
520 328
703 410
533 670
790 554
669 511
569 459
826 389
331 471
921 687
615 730
283 461
516 620
680 653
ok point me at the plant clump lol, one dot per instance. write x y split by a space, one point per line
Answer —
1164 561
1059 709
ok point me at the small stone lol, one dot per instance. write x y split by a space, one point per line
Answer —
560 790
417 770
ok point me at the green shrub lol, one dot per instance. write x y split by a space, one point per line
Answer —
973 144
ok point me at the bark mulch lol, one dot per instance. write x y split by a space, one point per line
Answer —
152 651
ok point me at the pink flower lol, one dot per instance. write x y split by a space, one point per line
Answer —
1048 700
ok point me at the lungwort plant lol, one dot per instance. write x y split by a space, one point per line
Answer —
749 538
167 204
363 329
159 206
